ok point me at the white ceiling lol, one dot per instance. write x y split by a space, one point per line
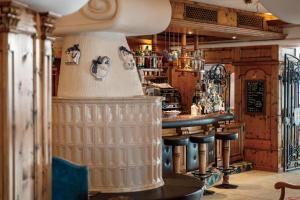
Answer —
238 4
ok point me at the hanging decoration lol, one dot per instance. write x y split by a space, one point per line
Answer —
175 52
100 67
217 74
197 61
73 55
127 58
170 55
165 51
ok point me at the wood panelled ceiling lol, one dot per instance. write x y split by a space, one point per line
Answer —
204 19
215 24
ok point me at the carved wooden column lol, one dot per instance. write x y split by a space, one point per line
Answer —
45 24
24 105
183 49
154 44
196 42
10 16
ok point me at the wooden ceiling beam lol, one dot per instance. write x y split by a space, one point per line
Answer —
198 28
203 19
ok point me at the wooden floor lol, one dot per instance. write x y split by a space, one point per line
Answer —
257 185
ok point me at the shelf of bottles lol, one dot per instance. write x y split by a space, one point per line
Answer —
212 93
152 67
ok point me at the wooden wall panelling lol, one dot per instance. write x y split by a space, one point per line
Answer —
218 55
258 53
185 82
25 105
227 16
177 9
261 132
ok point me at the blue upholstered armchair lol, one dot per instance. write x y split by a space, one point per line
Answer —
69 181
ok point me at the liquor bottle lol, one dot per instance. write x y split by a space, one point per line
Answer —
203 87
139 58
147 57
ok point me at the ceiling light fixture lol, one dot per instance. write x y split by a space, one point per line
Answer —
268 13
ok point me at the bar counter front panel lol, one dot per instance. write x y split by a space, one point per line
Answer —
188 124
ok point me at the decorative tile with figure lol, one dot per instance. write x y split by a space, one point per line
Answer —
100 67
127 57
73 55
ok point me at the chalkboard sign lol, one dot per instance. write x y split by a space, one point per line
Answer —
255 96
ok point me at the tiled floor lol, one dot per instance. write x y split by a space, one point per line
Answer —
257 185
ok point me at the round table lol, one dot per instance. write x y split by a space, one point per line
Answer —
177 187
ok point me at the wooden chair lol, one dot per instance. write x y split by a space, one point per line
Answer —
282 186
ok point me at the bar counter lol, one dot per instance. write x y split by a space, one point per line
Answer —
199 120
188 124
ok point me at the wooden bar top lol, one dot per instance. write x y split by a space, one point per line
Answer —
199 120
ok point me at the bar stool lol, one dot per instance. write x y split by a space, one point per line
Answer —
202 141
226 137
175 142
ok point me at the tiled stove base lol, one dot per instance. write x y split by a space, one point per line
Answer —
119 139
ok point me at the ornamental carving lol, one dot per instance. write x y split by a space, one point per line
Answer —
100 9
47 24
9 16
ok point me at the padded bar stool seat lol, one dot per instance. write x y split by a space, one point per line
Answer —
202 139
226 137
175 142
180 140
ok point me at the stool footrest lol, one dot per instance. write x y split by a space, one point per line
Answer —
229 171
208 174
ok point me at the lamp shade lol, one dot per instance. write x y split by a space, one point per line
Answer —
61 7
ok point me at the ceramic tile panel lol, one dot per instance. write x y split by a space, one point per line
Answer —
66 113
119 139
89 136
89 113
